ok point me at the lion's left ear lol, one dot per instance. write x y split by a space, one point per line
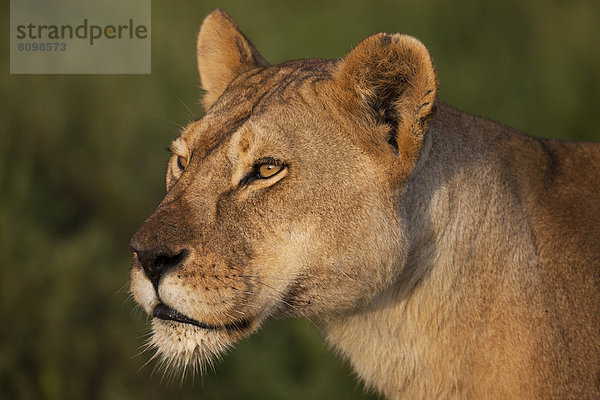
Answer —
223 52
390 81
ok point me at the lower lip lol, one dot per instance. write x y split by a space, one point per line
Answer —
161 311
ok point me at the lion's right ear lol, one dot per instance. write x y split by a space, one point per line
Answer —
223 52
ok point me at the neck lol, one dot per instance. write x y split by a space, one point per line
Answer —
417 338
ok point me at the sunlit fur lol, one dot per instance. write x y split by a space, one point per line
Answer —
185 347
444 255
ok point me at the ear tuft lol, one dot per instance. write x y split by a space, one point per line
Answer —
390 79
223 52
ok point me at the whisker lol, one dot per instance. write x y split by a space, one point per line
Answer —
175 124
191 113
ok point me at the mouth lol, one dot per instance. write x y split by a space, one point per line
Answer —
162 311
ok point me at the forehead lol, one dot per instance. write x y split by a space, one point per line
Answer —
255 93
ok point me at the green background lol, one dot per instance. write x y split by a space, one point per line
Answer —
82 160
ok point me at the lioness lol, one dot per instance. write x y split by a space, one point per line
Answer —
445 255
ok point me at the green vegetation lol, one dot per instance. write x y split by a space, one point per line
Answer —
82 161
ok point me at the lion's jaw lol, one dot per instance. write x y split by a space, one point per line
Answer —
196 318
178 344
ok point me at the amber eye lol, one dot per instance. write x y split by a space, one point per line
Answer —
268 170
181 162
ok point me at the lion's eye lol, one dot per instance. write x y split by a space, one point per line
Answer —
264 169
268 170
181 162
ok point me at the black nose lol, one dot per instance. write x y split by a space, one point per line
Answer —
158 261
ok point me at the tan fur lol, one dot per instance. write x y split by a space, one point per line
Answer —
445 255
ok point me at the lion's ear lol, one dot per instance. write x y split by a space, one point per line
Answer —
391 81
223 52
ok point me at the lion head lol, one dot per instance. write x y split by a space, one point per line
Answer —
284 199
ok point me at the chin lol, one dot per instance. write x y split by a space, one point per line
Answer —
185 347
183 344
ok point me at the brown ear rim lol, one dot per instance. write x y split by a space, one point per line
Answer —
254 57
222 53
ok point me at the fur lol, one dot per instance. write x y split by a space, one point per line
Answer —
445 255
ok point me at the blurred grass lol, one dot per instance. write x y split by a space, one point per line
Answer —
82 163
